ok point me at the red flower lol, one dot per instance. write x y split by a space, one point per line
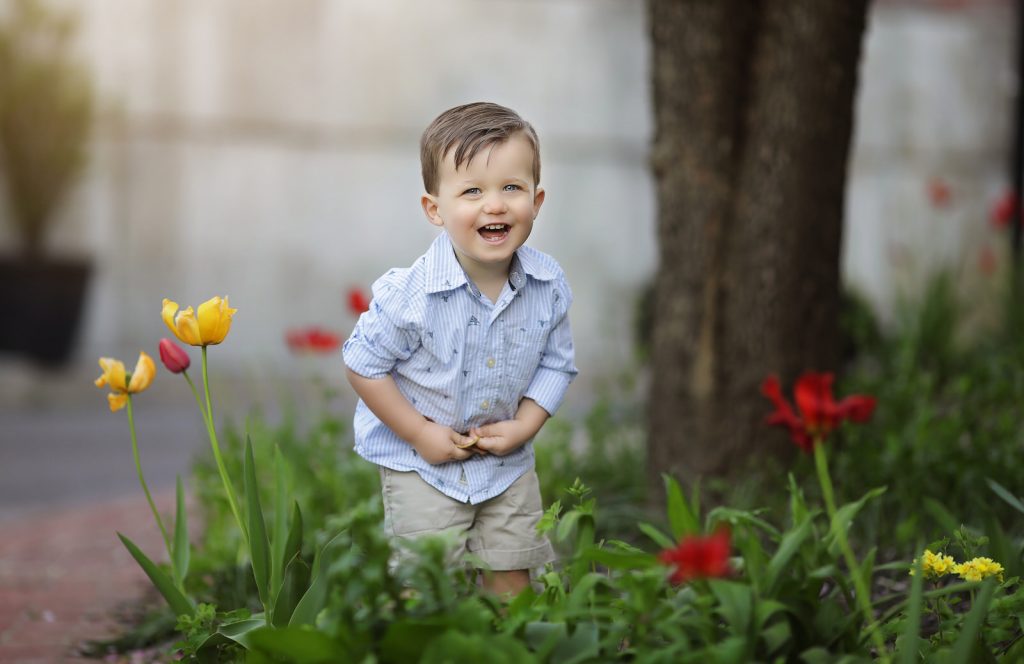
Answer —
1005 210
939 192
357 301
819 412
312 340
699 557
173 356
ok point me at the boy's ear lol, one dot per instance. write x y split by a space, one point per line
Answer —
429 204
538 200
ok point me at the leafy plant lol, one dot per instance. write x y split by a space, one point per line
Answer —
46 112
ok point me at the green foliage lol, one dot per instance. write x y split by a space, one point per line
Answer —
46 111
321 582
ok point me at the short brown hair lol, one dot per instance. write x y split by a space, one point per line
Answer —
469 129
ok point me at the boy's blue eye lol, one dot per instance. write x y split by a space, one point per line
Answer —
472 190
512 187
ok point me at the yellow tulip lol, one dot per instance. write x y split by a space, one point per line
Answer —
208 328
115 377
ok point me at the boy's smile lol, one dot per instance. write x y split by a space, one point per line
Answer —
487 206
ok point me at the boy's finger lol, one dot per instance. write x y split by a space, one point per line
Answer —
467 442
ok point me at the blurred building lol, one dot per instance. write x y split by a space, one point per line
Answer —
268 151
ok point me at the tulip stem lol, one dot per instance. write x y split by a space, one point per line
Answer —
142 480
212 431
195 393
862 591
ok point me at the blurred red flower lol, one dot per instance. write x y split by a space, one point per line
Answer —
357 301
819 412
698 557
1004 210
939 192
312 340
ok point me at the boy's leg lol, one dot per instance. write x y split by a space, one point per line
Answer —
510 582
505 537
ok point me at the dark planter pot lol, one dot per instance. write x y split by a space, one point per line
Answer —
41 301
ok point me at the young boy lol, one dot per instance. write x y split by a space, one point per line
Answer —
463 356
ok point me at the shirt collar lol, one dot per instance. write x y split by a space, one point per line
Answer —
444 272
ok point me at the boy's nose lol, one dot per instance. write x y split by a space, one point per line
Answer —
494 204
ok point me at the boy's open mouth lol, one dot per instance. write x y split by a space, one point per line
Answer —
494 232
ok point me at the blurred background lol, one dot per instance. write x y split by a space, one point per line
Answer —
268 151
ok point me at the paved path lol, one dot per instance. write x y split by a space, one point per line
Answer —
64 572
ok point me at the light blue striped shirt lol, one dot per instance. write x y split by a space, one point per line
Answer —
463 361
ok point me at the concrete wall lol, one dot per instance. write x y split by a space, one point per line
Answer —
267 150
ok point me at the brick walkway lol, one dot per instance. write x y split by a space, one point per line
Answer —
64 572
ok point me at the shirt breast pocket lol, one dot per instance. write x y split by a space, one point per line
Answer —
525 349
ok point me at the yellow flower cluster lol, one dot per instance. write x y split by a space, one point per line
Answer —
935 565
978 569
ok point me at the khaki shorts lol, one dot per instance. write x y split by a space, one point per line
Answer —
501 531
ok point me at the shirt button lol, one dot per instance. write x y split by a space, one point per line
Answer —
485 404
490 363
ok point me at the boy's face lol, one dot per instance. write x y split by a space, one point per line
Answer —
488 205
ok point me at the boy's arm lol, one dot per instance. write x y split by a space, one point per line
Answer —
434 442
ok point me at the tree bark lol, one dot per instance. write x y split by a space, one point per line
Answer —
753 103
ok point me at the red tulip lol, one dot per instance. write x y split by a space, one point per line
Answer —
173 356
699 557
357 301
312 340
1005 210
819 412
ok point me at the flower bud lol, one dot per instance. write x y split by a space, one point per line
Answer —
173 356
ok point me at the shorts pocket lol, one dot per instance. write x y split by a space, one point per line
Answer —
411 506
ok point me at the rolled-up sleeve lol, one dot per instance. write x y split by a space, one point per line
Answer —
557 367
383 336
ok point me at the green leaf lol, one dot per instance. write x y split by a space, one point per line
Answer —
972 623
791 542
279 556
844 517
293 587
259 545
297 645
1003 493
293 545
235 632
566 524
181 546
583 645
179 603
681 518
735 602
912 628
312 601
619 559
659 538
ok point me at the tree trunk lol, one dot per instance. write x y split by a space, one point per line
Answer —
753 106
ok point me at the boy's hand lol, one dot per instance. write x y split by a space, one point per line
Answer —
501 438
439 444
